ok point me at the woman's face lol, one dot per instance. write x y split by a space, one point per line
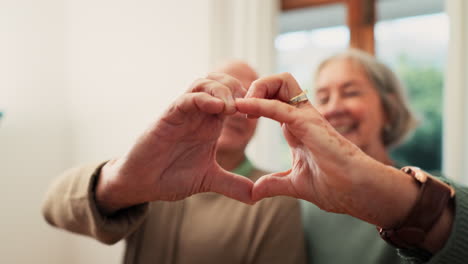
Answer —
349 101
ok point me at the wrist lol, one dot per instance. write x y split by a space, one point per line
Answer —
109 194
428 223
403 194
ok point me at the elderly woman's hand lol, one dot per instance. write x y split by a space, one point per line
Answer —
175 157
327 170
315 178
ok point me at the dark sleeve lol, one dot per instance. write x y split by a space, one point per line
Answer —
456 249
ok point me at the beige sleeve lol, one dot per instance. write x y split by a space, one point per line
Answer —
70 204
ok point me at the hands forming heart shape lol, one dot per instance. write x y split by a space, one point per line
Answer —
176 157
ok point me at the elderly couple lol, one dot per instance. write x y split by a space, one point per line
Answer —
186 192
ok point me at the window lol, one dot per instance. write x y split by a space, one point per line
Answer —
412 41
416 49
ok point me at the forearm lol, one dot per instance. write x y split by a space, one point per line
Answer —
386 196
363 187
380 194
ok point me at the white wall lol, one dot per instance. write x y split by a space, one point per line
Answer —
126 61
79 79
34 132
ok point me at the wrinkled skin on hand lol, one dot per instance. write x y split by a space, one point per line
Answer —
315 178
175 157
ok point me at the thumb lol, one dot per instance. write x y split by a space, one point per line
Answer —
232 185
273 185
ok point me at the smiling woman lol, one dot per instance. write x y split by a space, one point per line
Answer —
364 100
347 99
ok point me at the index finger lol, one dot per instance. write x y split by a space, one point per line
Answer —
272 109
281 87
237 90
215 89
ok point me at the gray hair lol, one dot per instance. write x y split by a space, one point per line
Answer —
390 90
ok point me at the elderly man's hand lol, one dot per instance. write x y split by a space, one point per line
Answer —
175 157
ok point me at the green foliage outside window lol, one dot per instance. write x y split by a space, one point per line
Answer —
424 85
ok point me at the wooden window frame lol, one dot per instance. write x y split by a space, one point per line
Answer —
361 18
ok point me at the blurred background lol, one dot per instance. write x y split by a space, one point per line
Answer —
79 80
